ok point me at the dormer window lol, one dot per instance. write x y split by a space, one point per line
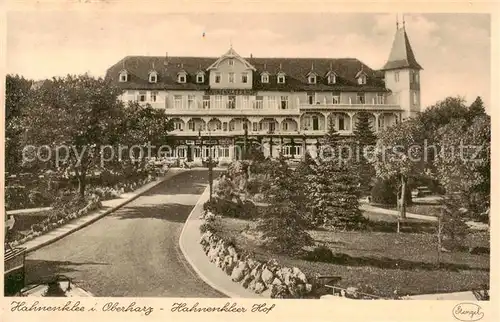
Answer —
362 79
153 77
264 78
281 78
123 76
332 78
312 79
181 78
200 78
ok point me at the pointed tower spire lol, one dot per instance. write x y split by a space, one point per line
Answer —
401 55
397 21
403 21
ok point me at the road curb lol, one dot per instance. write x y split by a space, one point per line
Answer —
203 198
93 220
195 212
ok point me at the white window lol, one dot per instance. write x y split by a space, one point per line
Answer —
142 97
272 102
284 102
231 62
415 98
396 77
255 126
231 102
311 97
153 96
312 79
218 101
190 101
206 102
181 78
191 125
360 98
264 78
231 77
332 79
178 101
177 125
200 78
123 77
217 78
342 125
380 98
362 80
285 126
336 98
244 78
259 103
223 152
416 77
224 126
181 152
245 100
281 79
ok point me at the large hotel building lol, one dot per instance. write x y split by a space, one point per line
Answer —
282 103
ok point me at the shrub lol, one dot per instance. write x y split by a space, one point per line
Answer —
320 254
211 225
37 227
228 208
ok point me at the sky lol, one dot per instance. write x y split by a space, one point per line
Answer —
453 49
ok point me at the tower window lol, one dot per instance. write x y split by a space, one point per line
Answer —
231 77
396 77
415 98
231 62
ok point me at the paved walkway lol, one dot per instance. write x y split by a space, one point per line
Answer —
189 243
378 210
133 251
108 206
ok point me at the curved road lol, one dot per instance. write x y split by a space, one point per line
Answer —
133 251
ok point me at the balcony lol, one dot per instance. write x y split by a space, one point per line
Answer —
225 111
350 107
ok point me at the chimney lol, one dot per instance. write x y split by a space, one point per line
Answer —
251 56
166 59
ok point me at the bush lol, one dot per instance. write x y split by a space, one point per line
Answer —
37 227
320 254
211 225
228 208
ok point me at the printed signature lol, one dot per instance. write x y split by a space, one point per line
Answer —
467 312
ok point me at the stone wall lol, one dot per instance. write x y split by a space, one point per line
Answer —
269 279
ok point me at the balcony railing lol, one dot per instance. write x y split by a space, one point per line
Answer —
353 107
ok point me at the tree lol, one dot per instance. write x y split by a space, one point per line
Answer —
365 140
331 139
399 154
463 164
304 176
75 116
476 109
335 195
16 99
283 223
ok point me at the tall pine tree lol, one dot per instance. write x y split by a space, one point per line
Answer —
365 139
284 223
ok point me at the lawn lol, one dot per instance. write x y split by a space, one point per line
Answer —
418 208
380 261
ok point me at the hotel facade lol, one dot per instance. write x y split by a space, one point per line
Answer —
218 105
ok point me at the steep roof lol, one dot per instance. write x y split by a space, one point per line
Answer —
401 55
296 70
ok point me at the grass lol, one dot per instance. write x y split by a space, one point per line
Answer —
380 262
419 209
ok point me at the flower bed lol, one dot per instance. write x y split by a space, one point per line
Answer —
269 279
53 222
60 215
